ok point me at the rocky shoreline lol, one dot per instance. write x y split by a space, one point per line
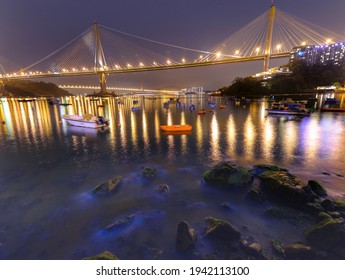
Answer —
285 196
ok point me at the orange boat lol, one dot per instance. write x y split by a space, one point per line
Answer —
222 107
176 127
202 111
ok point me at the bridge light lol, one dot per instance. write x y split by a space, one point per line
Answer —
141 64
218 54
304 43
257 50
183 60
154 63
168 62
237 52
329 41
129 66
200 56
279 46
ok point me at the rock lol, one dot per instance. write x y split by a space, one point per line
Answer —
334 214
107 187
323 215
221 231
256 195
278 247
299 252
185 238
106 255
261 168
286 186
314 208
317 188
121 223
226 205
149 172
328 205
227 173
339 205
253 249
162 188
325 234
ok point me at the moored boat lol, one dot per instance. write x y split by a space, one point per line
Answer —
176 127
332 109
86 120
288 108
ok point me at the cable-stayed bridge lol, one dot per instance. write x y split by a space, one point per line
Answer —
101 50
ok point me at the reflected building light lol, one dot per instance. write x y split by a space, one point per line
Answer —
249 137
214 139
267 140
231 136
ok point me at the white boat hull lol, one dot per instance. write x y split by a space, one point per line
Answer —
79 121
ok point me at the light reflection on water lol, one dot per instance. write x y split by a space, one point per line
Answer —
47 168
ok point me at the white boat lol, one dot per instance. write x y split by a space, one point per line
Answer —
86 121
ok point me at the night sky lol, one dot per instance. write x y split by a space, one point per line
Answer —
32 29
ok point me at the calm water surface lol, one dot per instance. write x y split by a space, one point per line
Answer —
47 169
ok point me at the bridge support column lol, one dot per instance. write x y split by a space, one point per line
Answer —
102 81
269 37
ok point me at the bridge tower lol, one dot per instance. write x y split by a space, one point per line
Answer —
269 36
100 64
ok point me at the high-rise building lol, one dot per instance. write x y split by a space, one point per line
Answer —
319 54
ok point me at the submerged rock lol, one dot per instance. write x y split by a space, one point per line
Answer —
278 247
164 188
107 187
286 186
185 238
261 168
121 223
326 234
256 195
339 205
221 231
106 255
149 172
299 251
317 188
253 249
227 173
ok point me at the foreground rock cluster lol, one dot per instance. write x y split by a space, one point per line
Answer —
279 193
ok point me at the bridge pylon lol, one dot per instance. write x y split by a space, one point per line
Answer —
269 36
100 64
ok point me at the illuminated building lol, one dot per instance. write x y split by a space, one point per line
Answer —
319 54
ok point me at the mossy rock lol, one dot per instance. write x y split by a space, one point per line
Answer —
261 168
285 186
106 255
278 247
107 187
323 216
326 234
149 172
227 173
221 231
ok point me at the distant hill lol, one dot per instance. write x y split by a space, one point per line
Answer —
26 88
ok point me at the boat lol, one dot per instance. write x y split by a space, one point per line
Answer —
202 111
176 127
288 108
222 107
64 104
86 120
332 109
136 109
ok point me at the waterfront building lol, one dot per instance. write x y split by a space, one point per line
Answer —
319 54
